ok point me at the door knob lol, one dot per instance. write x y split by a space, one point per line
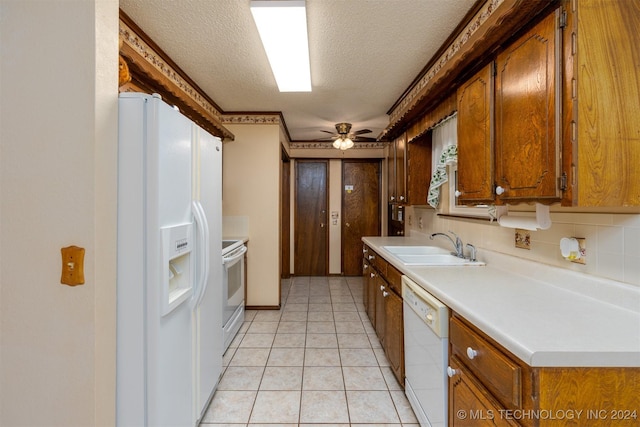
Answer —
499 190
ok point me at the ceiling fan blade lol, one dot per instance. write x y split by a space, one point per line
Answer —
361 131
364 138
326 131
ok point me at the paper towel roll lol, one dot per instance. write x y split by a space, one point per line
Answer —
542 220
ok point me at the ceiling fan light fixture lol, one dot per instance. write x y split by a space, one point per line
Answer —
282 25
343 143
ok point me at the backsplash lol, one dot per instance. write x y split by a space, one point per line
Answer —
612 240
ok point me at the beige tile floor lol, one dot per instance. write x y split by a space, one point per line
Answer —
317 361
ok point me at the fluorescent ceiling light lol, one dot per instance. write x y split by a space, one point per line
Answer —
282 25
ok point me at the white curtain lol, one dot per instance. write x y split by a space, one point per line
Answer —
445 152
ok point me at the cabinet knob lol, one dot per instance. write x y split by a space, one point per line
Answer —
392 198
365 266
373 275
371 257
458 193
471 353
451 372
385 294
499 190
382 287
401 198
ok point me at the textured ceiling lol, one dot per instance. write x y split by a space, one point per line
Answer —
364 55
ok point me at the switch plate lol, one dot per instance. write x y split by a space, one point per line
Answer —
72 266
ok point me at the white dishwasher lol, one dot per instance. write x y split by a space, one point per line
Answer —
426 331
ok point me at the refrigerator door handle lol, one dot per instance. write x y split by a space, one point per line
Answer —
203 233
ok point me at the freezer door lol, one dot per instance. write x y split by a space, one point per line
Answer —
154 346
169 334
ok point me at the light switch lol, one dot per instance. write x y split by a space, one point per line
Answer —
72 266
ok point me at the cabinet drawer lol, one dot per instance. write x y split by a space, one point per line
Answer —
376 261
496 371
394 279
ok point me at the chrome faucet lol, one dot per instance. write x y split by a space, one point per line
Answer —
472 252
457 244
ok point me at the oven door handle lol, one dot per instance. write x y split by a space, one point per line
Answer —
234 255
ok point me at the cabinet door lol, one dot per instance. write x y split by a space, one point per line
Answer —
401 183
470 404
602 87
381 289
394 335
366 270
418 173
391 173
372 284
475 138
527 115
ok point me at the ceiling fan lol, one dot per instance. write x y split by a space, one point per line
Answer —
344 138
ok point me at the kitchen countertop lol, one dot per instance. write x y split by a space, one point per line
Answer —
545 315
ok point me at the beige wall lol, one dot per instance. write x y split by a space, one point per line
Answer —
611 239
335 205
251 189
58 174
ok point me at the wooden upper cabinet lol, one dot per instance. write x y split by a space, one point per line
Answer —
396 170
401 182
475 138
601 155
409 166
527 143
418 153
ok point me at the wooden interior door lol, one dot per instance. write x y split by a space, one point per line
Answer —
360 210
285 215
311 236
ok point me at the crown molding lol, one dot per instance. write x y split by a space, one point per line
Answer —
152 70
494 23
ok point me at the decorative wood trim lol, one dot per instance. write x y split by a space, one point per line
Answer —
329 145
152 69
443 110
495 22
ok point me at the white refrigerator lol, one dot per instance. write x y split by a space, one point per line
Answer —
169 339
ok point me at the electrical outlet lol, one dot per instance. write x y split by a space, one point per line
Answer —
523 239
420 223
582 245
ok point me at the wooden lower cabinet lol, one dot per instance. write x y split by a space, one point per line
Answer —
470 404
394 334
380 318
383 302
489 386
